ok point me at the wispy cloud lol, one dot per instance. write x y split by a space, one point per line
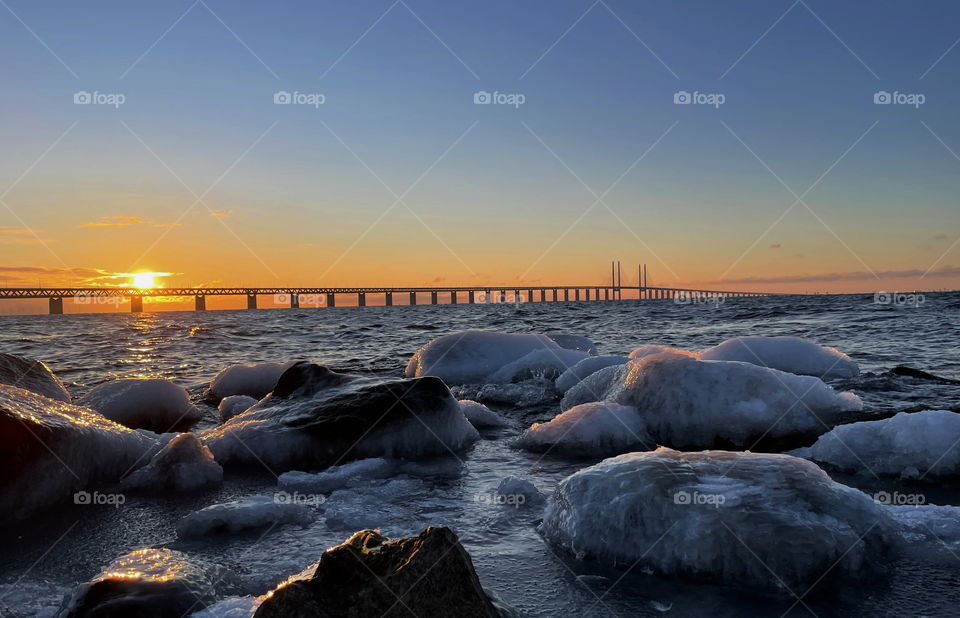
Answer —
13 235
221 214
946 271
775 246
115 221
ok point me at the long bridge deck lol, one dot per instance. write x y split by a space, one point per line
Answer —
326 296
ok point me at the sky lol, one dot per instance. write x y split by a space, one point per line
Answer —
440 142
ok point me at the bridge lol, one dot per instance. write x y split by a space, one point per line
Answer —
297 297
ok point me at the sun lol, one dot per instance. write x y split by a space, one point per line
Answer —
144 281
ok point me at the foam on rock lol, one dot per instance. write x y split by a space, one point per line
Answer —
144 403
731 518
791 354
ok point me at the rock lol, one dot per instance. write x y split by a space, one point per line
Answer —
316 417
252 380
234 405
32 375
184 464
369 575
147 583
50 449
144 403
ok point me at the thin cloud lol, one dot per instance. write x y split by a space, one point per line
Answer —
947 271
775 246
220 214
13 235
116 221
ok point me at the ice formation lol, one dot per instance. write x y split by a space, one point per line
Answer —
50 449
480 416
144 403
31 375
184 464
596 428
733 518
588 366
686 402
338 477
548 363
791 354
234 405
516 395
650 349
247 513
316 417
573 342
512 487
910 445
251 380
468 357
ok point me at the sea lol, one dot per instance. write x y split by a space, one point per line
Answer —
43 559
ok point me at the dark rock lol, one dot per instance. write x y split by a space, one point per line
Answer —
369 575
32 375
910 372
147 583
316 417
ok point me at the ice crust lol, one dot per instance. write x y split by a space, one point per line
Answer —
143 403
791 354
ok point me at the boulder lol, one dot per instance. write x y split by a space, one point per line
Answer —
144 403
32 375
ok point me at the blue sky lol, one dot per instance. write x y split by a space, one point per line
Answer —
598 81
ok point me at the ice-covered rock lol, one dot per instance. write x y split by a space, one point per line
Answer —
588 366
146 582
230 607
926 531
252 380
573 342
517 395
910 445
768 521
597 428
512 488
50 449
469 357
480 416
316 417
144 403
184 464
365 576
31 375
651 349
338 477
687 402
248 513
234 405
791 354
537 364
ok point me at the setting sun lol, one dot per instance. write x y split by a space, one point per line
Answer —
144 280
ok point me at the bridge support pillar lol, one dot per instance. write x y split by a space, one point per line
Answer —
199 303
433 298
136 304
361 299
388 299
413 298
294 301
606 293
251 301
331 299
471 298
566 294
453 298
56 306
554 295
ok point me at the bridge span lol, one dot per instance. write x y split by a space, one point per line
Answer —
297 297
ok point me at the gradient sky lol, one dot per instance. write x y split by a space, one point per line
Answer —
298 195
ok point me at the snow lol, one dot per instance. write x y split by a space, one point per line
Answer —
247 513
316 417
252 380
233 405
791 354
573 342
339 477
596 428
480 416
569 378
32 375
686 402
184 464
910 445
468 357
143 403
538 363
79 447
734 518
